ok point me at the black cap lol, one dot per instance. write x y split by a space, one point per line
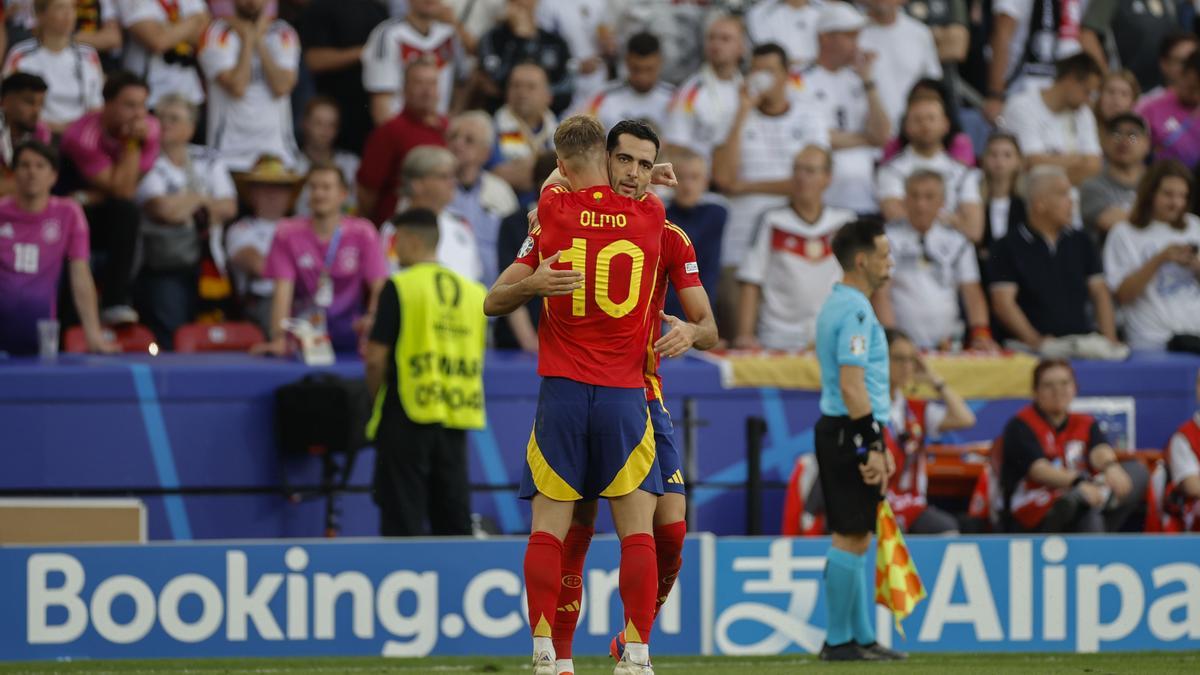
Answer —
1121 118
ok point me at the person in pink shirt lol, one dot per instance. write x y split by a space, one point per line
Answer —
37 233
1174 117
109 151
327 261
22 96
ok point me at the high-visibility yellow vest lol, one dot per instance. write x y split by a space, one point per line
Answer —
439 355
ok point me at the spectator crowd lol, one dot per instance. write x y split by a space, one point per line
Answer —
1034 160
172 162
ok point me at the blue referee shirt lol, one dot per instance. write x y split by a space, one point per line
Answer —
849 334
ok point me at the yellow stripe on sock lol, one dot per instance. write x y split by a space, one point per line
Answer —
631 633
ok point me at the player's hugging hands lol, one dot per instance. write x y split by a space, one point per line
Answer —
678 340
547 281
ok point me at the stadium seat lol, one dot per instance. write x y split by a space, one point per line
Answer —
217 337
133 338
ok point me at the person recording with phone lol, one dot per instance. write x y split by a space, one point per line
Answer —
1150 262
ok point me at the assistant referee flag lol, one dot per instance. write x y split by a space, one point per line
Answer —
897 584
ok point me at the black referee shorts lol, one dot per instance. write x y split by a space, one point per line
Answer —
850 504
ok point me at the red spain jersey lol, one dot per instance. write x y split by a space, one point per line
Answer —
678 263
598 334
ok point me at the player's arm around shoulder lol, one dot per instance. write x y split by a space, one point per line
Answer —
522 282
555 184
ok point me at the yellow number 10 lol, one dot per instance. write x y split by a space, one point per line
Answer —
577 256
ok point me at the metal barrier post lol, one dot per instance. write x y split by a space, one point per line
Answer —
756 428
691 463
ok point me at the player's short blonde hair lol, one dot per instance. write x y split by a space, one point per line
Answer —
579 139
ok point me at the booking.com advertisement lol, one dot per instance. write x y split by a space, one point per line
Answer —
306 598
735 596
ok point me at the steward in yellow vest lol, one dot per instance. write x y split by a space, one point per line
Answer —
424 363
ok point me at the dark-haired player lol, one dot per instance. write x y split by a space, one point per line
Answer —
677 264
593 435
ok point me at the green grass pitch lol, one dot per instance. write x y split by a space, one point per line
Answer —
1157 663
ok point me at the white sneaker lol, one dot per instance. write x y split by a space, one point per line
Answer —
565 667
627 666
543 663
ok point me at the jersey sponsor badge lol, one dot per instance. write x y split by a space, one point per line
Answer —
691 268
526 247
858 345
6 231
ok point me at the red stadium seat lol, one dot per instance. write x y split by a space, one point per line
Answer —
217 337
133 338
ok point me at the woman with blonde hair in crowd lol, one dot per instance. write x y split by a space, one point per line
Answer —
999 188
1002 190
1151 263
1119 91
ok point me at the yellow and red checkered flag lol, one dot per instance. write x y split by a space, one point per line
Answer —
897 585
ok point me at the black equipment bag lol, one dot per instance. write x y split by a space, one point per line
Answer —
321 414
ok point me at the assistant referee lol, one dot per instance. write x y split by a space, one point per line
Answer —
853 462
424 364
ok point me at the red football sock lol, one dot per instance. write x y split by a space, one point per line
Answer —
570 592
543 562
638 583
668 544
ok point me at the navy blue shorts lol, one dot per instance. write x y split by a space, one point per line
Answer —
590 441
670 463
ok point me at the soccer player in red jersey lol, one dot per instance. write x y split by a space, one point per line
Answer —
593 436
678 265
